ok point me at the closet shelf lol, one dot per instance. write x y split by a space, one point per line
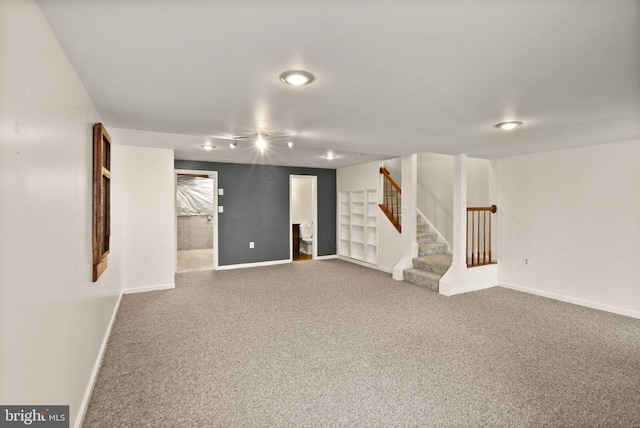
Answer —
358 232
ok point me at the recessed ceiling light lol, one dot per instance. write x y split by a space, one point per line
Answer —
233 144
297 77
361 154
508 125
208 147
290 144
330 156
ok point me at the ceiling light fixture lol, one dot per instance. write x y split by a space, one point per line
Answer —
330 156
260 142
261 139
297 77
507 126
208 147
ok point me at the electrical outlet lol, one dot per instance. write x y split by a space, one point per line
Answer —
526 261
251 245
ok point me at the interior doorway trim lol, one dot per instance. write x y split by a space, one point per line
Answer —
314 212
211 174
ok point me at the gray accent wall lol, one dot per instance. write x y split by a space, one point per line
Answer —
256 208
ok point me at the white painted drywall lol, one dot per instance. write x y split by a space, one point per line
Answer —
478 172
148 217
575 214
435 191
394 166
53 318
301 200
359 177
435 188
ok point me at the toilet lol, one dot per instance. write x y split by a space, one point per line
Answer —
306 241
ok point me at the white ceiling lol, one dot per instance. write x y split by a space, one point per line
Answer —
393 77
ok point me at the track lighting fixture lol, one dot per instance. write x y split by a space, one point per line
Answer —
261 139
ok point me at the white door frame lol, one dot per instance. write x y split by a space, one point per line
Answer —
211 174
314 212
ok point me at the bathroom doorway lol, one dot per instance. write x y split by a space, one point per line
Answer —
196 220
303 212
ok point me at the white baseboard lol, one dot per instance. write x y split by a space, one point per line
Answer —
149 288
575 300
470 288
257 264
96 368
326 257
365 264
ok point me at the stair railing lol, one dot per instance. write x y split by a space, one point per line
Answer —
479 235
391 198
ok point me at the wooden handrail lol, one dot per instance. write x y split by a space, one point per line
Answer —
492 208
480 236
391 199
384 171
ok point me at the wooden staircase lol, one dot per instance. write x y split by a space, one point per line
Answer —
432 261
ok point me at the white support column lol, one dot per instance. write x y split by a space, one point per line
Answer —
409 204
459 210
460 279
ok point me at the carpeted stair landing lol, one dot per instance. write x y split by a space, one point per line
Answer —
427 270
432 262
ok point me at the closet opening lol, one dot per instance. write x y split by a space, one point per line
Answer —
196 220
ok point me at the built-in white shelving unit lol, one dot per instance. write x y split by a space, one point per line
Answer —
358 225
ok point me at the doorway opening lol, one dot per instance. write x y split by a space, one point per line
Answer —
196 220
303 212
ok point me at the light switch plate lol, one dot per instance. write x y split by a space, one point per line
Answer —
220 209
220 192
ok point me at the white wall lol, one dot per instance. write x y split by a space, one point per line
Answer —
435 191
53 319
148 217
435 188
576 215
478 172
301 200
394 166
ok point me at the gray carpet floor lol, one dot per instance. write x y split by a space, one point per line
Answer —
330 343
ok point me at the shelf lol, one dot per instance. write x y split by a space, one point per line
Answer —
358 225
357 234
357 197
357 251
